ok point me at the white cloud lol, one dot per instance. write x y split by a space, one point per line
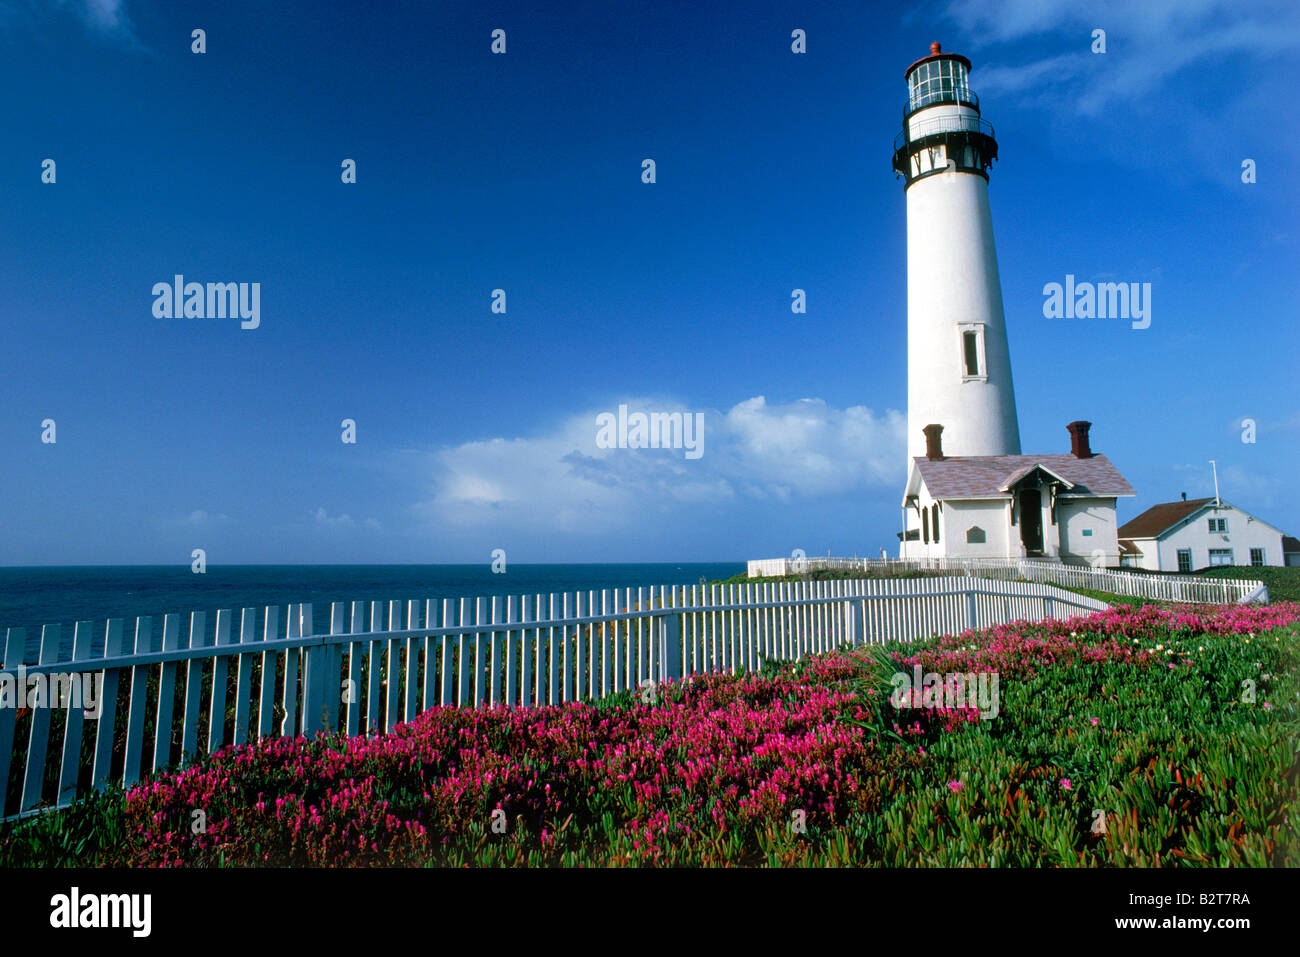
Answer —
201 519
107 18
562 481
325 520
1147 43
107 15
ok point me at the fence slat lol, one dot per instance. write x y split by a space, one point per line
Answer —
220 672
292 656
393 673
430 656
15 650
314 658
244 681
355 654
374 682
137 704
109 680
332 680
193 689
70 763
162 732
270 669
38 739
412 662
444 696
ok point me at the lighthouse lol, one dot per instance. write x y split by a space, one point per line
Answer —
958 361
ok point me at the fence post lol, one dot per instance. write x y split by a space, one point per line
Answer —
670 647
970 607
855 623
313 676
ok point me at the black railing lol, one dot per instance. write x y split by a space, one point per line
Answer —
942 124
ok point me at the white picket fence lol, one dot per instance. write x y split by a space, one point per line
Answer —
1180 588
369 671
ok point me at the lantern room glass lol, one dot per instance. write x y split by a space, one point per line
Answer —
938 81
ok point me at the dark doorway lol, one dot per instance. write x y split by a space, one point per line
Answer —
1031 521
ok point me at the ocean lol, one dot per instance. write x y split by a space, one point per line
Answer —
32 597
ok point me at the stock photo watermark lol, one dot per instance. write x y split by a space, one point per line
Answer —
214 300
57 689
953 690
1103 300
653 430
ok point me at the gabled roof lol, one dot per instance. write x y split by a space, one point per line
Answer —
991 476
1160 518
1019 474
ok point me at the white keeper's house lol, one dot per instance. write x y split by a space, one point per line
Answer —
1195 533
1055 506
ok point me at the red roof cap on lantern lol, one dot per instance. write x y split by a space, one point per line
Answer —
936 53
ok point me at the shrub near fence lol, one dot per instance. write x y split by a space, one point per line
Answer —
164 701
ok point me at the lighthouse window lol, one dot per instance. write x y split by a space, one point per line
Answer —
972 351
974 361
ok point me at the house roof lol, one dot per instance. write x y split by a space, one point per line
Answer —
1290 543
1126 546
989 476
1160 518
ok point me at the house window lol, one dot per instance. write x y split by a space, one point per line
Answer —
975 535
1220 556
1257 556
925 525
1184 560
934 521
1219 525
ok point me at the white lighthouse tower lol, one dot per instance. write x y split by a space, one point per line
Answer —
958 362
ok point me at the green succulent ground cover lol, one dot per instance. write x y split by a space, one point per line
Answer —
1135 737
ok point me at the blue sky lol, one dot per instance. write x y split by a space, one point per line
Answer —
522 172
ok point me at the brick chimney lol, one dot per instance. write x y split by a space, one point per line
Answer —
1079 446
933 444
